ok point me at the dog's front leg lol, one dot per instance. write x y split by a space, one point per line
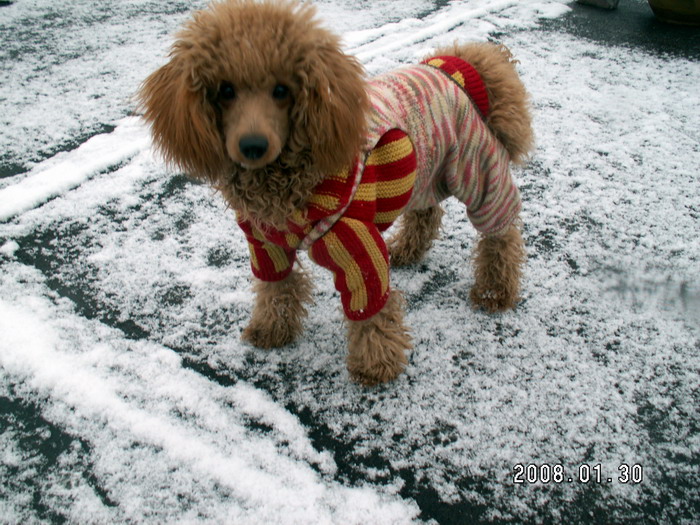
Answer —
279 311
377 345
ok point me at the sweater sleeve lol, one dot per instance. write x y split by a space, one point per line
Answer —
268 261
355 252
496 200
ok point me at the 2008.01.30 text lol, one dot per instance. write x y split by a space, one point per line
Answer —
584 473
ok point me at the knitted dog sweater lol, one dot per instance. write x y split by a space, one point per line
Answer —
426 140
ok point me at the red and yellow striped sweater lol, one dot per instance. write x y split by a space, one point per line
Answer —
427 140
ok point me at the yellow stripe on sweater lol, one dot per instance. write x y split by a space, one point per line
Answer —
277 256
292 240
378 261
341 175
437 62
326 202
390 152
387 217
394 188
253 258
353 274
459 78
366 192
298 218
258 236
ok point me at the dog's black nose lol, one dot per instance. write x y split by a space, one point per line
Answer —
253 146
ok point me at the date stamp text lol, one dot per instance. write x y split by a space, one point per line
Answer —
584 473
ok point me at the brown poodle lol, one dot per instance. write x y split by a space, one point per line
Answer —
260 101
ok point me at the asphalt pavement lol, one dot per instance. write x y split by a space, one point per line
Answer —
631 24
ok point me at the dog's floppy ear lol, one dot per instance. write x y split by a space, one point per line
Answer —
183 122
332 106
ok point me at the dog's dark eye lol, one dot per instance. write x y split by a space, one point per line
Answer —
280 92
226 91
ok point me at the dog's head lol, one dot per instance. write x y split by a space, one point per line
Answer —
257 97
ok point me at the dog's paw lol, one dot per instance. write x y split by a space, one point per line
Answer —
269 333
492 300
383 370
279 311
498 261
377 346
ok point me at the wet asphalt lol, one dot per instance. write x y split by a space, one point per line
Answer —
631 24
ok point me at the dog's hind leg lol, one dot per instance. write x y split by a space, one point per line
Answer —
279 311
498 261
417 231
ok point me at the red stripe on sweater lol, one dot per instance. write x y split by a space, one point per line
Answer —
397 169
362 210
393 203
266 271
376 296
319 254
392 135
474 84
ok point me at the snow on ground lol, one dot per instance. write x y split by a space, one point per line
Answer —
126 395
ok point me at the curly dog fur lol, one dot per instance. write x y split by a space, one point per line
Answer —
417 231
259 100
377 344
279 311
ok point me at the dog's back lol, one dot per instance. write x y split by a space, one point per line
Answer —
457 154
509 116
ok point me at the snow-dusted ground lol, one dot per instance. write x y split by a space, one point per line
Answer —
126 396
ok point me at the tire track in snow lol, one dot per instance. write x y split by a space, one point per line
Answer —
395 37
69 170
104 384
